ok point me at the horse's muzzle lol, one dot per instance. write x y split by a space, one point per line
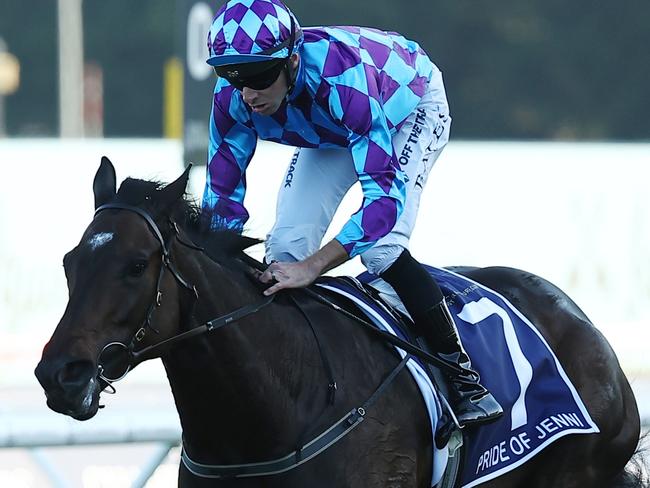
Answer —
71 387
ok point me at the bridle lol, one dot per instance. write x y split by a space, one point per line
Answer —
125 357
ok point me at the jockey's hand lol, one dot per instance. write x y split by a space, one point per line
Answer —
303 273
289 275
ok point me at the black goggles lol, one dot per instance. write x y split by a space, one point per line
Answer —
257 76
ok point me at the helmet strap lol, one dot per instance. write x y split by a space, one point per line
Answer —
291 75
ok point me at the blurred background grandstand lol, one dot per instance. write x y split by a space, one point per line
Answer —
547 170
534 70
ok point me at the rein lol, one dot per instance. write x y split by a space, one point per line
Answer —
132 358
128 354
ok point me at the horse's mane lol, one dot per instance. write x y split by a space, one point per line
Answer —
223 245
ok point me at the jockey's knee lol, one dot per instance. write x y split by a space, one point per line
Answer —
288 244
380 257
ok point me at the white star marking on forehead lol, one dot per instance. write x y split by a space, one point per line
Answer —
100 239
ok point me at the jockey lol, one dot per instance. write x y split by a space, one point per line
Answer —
361 105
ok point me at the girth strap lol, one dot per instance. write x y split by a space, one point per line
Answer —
310 450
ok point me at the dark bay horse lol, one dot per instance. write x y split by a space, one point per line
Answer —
251 391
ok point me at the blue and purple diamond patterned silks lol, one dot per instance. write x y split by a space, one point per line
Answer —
355 87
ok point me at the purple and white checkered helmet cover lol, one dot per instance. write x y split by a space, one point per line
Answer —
243 29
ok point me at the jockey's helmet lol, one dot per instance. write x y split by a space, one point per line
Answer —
251 41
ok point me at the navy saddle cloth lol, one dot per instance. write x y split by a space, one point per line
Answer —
515 363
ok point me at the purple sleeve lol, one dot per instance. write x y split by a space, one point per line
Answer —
382 181
232 145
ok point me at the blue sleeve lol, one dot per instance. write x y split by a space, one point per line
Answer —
232 145
382 180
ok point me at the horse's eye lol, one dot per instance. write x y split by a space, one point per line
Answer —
137 268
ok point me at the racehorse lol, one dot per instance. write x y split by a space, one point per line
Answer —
147 270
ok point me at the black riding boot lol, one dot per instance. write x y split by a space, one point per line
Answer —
423 299
470 401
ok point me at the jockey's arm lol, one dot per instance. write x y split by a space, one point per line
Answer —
303 273
231 148
379 174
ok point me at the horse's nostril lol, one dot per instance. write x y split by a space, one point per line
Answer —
75 375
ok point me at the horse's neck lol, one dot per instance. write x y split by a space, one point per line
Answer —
236 389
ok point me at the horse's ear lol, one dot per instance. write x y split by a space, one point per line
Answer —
104 183
175 190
